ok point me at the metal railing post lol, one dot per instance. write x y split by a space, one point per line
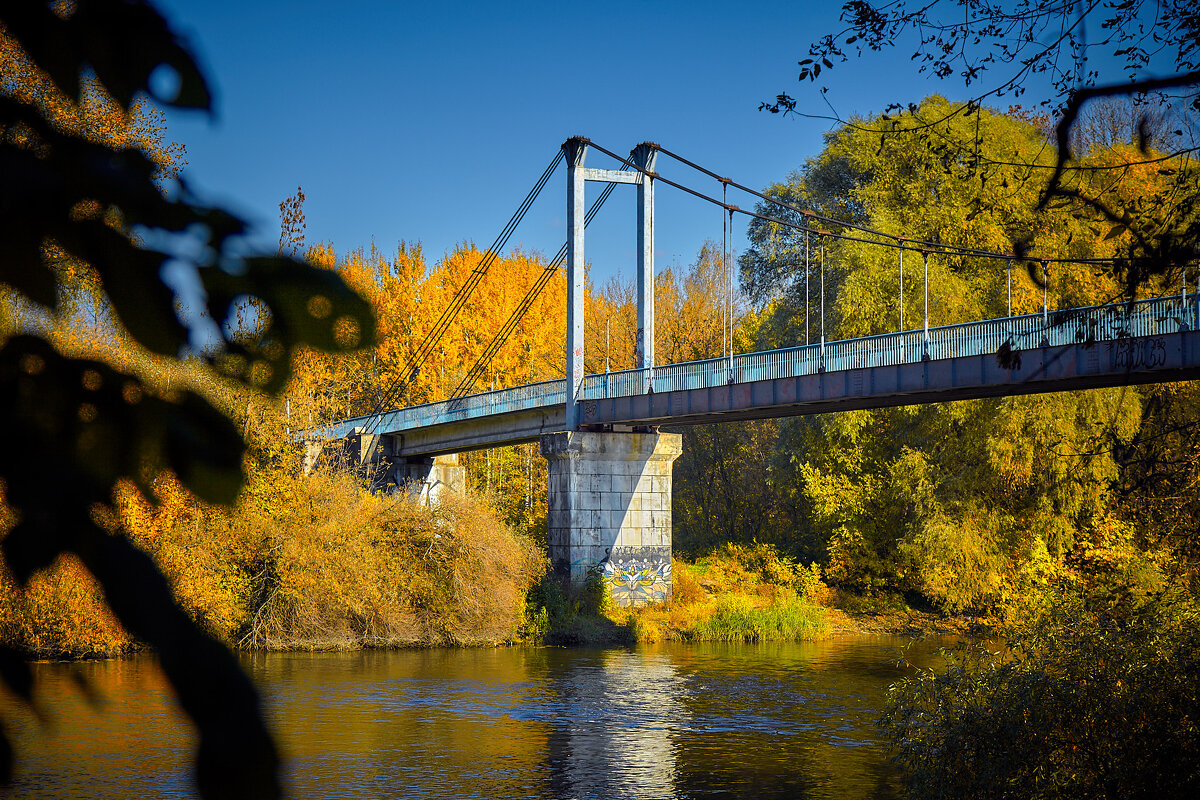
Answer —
1008 275
1045 305
822 240
1183 326
925 257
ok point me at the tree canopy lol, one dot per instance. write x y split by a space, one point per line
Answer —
1000 50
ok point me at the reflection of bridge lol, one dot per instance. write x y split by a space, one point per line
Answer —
610 468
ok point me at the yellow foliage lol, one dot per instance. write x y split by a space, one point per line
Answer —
342 567
61 612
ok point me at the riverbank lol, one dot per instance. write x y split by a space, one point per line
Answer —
899 623
420 579
318 564
738 618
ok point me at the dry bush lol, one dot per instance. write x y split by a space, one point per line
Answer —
343 568
299 563
685 588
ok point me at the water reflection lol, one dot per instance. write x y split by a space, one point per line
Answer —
617 712
785 720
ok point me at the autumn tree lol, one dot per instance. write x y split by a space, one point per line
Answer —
999 50
956 503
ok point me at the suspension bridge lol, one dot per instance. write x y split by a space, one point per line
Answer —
610 465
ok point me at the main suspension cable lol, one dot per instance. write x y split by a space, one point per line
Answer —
514 319
899 242
400 383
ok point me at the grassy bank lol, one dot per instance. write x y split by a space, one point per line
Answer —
740 593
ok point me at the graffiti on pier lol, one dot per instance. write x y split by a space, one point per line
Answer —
638 575
1127 354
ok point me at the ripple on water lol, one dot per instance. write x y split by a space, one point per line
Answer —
762 721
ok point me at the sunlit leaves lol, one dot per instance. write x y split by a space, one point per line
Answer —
104 427
122 41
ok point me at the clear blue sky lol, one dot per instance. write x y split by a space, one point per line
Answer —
430 121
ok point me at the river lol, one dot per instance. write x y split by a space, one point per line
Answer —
792 720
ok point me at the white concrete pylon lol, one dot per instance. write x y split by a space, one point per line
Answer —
644 157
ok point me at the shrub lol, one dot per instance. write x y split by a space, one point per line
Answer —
685 589
745 567
563 614
60 613
1093 696
341 567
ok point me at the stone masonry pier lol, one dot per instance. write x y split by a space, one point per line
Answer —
427 478
610 510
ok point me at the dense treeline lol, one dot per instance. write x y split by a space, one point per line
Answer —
1067 520
958 504
966 507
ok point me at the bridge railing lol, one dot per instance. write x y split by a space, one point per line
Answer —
1067 326
1088 324
517 398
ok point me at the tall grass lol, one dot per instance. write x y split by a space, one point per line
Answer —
740 593
736 618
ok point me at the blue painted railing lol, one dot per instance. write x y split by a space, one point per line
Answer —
1094 323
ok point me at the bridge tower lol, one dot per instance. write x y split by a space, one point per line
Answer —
643 158
609 491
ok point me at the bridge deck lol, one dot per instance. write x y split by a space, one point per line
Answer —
1149 342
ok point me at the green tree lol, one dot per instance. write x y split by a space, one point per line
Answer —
1093 695
998 49
954 502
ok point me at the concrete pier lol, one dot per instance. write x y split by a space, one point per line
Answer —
610 510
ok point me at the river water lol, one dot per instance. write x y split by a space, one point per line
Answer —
792 720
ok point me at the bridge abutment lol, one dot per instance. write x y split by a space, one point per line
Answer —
430 479
610 510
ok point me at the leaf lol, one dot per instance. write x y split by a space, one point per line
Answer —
6 758
28 548
142 302
14 671
300 304
1115 231
236 758
204 449
124 432
122 41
